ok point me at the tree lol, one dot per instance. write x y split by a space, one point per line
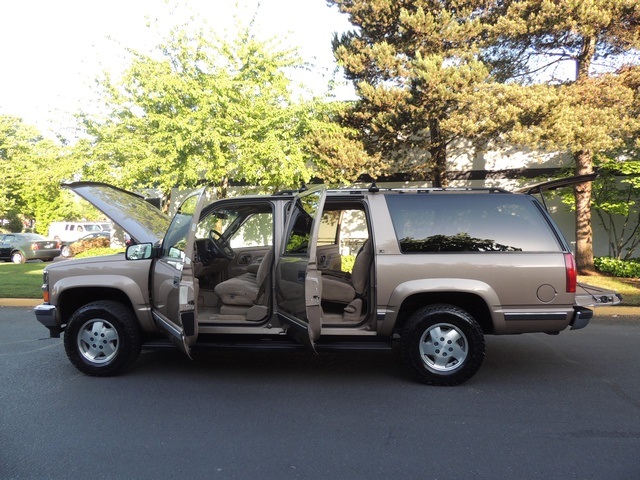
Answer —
32 168
617 202
338 151
415 67
530 37
203 110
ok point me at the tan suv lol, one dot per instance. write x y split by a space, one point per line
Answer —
432 269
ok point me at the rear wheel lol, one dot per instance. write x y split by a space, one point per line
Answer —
102 338
442 345
18 257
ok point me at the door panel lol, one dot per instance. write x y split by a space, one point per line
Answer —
246 260
174 286
297 279
329 257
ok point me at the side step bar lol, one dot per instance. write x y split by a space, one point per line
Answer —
273 345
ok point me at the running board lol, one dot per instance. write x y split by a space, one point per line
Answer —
270 345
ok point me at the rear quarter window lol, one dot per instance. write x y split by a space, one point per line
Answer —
468 222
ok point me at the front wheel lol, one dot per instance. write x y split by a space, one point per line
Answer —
442 345
102 338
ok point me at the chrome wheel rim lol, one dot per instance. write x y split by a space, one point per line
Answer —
16 258
98 341
443 348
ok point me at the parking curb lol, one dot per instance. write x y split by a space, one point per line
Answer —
20 302
616 311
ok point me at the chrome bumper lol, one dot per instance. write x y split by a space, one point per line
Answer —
581 317
47 316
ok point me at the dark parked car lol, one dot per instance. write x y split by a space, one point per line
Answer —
20 247
66 246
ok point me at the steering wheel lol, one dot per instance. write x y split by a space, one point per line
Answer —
221 246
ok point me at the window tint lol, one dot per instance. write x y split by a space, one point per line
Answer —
469 223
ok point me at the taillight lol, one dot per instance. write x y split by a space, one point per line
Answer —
572 272
35 246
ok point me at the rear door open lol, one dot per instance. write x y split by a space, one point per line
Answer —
586 295
298 282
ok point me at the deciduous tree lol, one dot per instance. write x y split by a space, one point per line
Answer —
32 168
532 38
204 110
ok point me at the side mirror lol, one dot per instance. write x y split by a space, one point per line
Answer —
140 251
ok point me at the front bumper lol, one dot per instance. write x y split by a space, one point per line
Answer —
581 317
47 315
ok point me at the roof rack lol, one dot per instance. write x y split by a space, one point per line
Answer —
444 189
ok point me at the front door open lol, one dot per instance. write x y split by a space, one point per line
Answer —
174 287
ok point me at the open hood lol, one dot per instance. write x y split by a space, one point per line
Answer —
130 211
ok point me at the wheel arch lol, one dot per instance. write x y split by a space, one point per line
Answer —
72 299
71 293
475 297
472 303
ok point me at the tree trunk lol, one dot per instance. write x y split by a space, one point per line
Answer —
438 150
584 165
223 188
584 232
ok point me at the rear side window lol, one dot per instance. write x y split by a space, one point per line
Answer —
469 223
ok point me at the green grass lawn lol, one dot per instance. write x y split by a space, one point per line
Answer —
24 281
21 280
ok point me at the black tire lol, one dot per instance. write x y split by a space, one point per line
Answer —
442 345
102 339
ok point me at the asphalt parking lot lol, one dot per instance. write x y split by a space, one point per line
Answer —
565 406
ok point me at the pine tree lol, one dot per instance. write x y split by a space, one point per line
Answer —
416 71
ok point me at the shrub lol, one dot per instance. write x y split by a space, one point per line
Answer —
14 224
89 244
618 268
96 252
347 262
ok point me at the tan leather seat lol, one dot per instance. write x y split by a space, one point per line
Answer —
344 289
244 289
